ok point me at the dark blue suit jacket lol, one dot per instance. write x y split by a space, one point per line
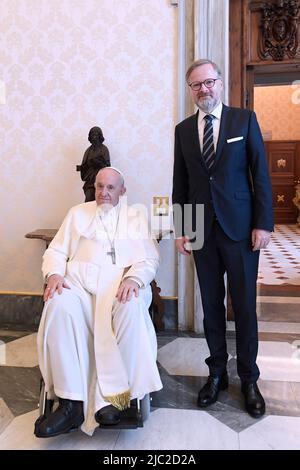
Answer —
237 190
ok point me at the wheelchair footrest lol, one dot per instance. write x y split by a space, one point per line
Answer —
130 419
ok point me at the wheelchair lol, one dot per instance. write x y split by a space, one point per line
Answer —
132 418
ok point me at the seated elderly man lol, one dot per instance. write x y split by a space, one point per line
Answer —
96 342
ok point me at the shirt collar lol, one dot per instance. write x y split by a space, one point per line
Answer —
216 112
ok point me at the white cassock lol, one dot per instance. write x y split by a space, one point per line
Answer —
91 347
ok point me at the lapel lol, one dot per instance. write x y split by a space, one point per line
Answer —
223 132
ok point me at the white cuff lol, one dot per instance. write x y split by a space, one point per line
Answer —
137 280
51 274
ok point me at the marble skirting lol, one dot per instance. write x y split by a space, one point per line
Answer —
23 312
19 311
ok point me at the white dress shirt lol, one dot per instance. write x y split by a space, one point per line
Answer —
217 112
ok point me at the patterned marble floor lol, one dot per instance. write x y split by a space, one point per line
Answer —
175 421
280 261
279 280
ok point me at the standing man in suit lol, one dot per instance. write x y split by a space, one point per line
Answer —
220 163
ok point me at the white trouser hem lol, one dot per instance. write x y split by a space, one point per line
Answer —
140 395
68 395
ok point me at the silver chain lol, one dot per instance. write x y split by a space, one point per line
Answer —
112 242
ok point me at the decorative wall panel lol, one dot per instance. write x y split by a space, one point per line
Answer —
68 65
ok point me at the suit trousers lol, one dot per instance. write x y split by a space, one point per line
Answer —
218 255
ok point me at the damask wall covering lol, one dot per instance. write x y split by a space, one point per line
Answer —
278 110
68 65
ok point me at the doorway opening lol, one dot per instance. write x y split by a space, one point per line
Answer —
273 96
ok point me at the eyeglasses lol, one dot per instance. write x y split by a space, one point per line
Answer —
209 83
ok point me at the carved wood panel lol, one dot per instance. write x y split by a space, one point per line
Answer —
274 28
262 34
282 160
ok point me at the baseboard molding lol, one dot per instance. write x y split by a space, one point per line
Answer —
170 317
9 292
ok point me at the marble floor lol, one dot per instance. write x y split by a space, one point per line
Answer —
175 422
280 261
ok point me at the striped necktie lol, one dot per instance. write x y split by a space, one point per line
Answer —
208 151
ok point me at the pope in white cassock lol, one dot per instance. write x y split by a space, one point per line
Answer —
96 342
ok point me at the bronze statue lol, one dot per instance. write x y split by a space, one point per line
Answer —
95 157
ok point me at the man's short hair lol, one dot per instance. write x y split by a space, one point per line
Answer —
200 62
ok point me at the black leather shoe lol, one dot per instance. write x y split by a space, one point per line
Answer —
254 402
109 415
67 416
209 393
38 423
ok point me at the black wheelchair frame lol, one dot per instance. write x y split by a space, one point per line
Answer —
132 418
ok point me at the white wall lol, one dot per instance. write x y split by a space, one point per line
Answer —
68 65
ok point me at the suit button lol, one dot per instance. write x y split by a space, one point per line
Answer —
210 178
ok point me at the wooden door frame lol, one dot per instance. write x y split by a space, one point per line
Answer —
241 68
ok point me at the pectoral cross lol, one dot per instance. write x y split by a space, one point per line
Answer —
112 253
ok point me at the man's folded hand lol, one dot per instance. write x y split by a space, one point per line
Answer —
127 288
55 283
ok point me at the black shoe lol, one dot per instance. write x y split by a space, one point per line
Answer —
109 415
209 393
38 423
67 416
254 402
